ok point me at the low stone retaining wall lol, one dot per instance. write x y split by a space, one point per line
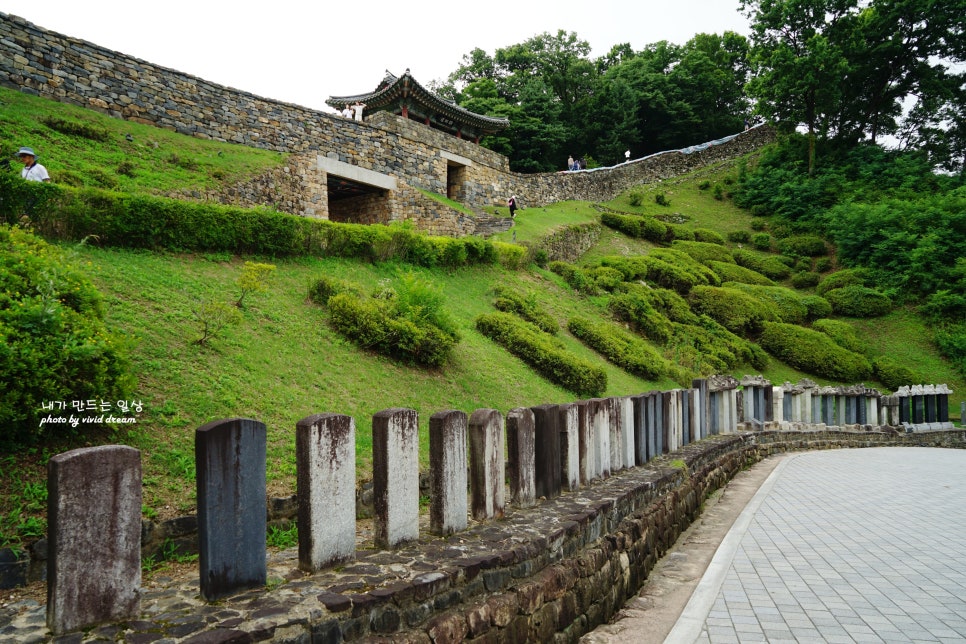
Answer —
549 573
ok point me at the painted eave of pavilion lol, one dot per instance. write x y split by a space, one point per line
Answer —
404 96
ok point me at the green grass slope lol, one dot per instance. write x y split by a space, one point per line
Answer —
283 361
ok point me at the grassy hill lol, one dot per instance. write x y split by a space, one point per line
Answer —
283 361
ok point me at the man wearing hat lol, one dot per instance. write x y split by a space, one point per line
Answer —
32 171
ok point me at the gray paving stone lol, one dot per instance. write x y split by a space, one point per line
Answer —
833 553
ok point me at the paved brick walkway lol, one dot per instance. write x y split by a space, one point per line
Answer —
859 545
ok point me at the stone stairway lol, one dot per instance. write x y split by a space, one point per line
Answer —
487 225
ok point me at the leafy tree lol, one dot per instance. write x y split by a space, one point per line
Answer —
797 62
849 69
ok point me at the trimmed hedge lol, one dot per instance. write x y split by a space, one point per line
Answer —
642 227
675 231
708 348
627 224
709 236
607 278
858 301
511 256
635 308
842 278
54 343
818 306
731 272
576 278
140 221
813 352
325 287
737 311
802 246
527 308
788 302
377 324
633 268
704 252
770 266
664 301
541 352
678 271
841 333
892 374
806 279
625 350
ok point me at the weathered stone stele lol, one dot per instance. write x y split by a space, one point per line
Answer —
94 537
486 464
569 422
325 456
230 472
447 470
520 457
547 461
395 476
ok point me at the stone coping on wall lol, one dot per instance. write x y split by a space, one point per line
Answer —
556 570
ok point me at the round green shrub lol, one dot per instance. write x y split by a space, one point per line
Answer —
759 224
737 311
823 264
813 352
575 277
708 236
607 278
803 246
817 306
769 265
892 374
678 271
704 252
788 302
653 229
679 232
641 314
805 279
631 268
326 286
54 343
734 273
845 277
761 241
664 301
510 256
858 301
739 236
627 224
841 333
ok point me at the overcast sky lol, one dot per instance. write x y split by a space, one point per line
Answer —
304 52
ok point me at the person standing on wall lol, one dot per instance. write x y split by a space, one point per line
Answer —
32 171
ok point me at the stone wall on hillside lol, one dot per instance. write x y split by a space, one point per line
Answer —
398 155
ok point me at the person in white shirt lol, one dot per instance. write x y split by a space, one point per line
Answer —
32 171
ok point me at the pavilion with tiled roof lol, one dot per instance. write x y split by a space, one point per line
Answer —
402 95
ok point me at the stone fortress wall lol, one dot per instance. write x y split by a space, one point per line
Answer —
399 156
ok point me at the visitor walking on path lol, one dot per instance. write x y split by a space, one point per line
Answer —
512 205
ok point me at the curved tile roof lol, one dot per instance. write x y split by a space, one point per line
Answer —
394 92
